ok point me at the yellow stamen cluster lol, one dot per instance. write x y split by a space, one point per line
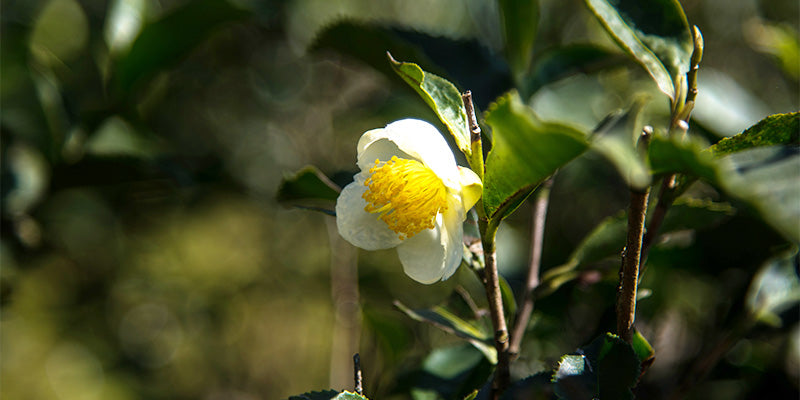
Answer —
406 194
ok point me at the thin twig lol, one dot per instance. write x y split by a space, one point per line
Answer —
357 374
629 273
537 236
476 144
492 286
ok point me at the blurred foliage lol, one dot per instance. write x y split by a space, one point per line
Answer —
143 143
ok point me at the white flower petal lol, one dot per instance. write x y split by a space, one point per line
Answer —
423 255
360 228
434 254
410 138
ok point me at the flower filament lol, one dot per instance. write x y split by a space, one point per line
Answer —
407 195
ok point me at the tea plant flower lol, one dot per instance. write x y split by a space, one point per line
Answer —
410 194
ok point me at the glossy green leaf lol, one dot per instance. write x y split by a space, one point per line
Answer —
525 151
775 289
163 43
574 378
655 33
520 20
308 188
616 139
561 62
451 323
442 97
778 129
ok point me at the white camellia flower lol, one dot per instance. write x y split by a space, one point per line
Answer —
410 194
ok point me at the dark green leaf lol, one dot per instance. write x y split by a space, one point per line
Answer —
616 139
607 369
509 300
534 387
668 155
451 323
778 129
655 33
561 62
163 43
308 188
442 97
775 289
525 151
323 395
520 19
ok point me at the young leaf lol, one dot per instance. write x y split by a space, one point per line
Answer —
525 151
441 96
655 33
308 188
642 348
520 18
164 42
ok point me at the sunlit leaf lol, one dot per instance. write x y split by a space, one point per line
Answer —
308 188
442 97
775 289
642 347
655 33
525 151
520 19
616 139
574 378
451 323
166 41
349 396
561 62
778 129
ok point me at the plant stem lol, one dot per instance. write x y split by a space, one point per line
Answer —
631 259
532 281
476 144
492 285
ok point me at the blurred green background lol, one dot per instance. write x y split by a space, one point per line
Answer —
144 255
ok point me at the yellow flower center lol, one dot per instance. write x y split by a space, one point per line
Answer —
406 194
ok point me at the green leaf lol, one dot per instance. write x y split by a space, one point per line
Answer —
774 289
451 323
778 129
509 300
655 33
534 387
442 97
525 151
308 188
616 139
349 396
644 351
520 19
607 369
163 43
561 62
323 395
763 177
